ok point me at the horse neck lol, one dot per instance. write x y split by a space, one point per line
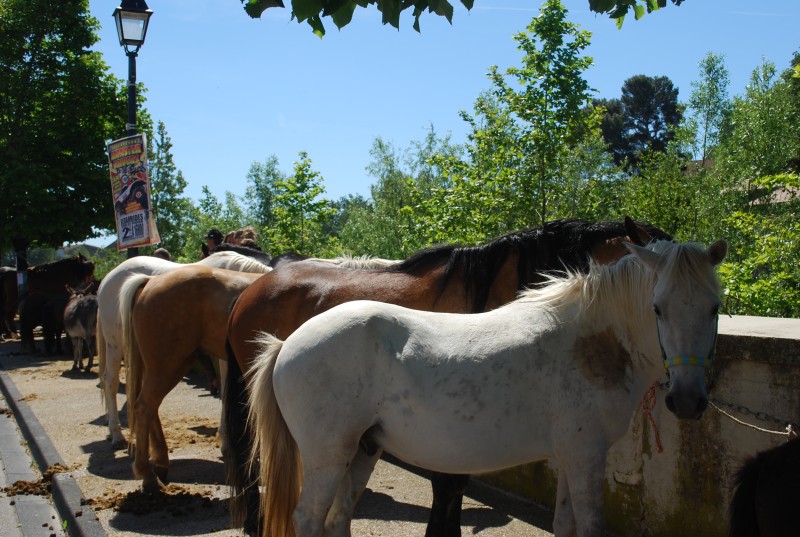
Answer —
628 315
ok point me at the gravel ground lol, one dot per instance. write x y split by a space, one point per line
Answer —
69 408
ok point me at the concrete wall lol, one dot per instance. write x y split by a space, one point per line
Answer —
686 489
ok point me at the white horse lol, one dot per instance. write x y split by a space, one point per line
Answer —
477 393
109 327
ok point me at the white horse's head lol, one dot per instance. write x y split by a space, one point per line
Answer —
686 301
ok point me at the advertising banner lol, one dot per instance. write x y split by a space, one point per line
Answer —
130 189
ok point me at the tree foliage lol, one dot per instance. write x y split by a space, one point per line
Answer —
175 214
58 107
301 214
644 119
709 102
341 11
523 135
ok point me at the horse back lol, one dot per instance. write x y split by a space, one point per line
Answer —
282 300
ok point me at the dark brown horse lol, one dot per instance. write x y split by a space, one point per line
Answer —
48 282
8 301
767 494
443 279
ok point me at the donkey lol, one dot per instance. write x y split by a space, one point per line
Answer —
80 324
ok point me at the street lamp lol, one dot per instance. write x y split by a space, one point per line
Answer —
132 17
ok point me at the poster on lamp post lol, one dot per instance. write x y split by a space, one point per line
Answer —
130 190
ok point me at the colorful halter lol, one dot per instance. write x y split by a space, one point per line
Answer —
689 359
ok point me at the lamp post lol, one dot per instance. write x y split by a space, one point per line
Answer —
132 17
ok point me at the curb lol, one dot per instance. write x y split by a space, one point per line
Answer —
81 520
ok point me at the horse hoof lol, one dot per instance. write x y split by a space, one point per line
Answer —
120 444
75 367
153 487
161 473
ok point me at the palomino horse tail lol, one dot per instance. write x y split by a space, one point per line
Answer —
133 364
273 445
101 360
742 513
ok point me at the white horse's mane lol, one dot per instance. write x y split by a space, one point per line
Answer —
618 288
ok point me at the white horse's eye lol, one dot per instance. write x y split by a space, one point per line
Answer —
715 311
657 310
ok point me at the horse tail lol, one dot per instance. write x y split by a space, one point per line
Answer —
235 408
133 360
101 360
273 445
742 514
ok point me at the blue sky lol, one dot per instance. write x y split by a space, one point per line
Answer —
232 90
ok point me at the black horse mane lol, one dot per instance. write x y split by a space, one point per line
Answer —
558 245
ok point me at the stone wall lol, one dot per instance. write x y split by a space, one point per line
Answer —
686 488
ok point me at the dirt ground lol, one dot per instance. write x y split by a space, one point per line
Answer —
69 407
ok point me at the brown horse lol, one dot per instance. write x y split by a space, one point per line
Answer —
443 279
8 301
767 494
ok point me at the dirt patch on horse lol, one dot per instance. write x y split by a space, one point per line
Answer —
174 499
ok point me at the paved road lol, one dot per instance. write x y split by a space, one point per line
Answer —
67 408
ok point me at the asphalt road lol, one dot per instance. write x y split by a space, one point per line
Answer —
96 490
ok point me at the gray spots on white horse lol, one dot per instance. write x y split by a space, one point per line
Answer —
470 394
602 359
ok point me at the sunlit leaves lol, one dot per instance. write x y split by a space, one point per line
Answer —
341 11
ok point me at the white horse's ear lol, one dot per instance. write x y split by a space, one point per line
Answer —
648 257
717 252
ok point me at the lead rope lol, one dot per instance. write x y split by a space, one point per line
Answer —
648 404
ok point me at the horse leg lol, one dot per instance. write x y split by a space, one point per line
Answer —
585 480
320 487
564 520
110 383
159 453
225 445
445 515
141 459
355 480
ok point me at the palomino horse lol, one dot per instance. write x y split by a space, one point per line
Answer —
480 393
446 278
109 328
767 494
80 323
166 320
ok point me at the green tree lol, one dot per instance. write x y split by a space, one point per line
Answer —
58 107
262 179
174 213
762 137
709 101
389 227
301 215
522 137
644 119
341 12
